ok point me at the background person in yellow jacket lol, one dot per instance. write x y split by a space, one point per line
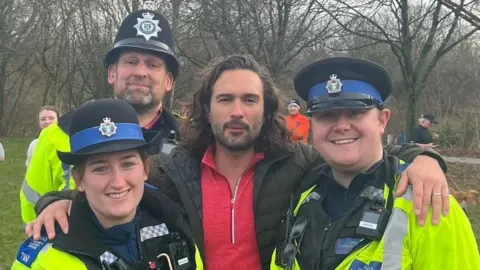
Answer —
117 222
344 214
141 68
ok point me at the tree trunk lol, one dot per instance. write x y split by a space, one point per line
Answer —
3 79
410 112
170 96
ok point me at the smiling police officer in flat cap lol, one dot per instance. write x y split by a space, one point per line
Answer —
141 69
335 83
347 214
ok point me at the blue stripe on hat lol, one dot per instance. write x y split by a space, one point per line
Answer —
91 136
348 86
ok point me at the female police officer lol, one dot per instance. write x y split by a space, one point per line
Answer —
346 216
117 222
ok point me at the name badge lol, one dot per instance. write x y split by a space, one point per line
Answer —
345 245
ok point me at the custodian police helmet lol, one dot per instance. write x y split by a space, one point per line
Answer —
343 82
145 30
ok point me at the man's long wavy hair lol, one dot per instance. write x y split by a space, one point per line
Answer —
273 135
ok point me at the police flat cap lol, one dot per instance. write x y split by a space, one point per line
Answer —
343 82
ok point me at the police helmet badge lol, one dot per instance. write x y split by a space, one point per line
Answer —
107 128
334 85
147 26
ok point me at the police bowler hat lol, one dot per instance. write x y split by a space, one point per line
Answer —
103 126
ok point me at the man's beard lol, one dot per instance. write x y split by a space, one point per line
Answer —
241 143
142 104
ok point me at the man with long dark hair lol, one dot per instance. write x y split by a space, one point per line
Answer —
237 168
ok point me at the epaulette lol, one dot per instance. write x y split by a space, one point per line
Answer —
29 250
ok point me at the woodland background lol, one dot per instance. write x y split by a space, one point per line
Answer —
51 51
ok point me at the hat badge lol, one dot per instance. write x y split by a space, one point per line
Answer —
107 128
334 85
147 26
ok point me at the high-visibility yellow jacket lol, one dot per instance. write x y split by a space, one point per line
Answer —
407 245
46 172
49 258
82 249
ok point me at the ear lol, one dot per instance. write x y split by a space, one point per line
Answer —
78 181
383 119
112 73
168 82
147 168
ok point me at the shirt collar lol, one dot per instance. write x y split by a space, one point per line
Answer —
118 233
209 158
154 120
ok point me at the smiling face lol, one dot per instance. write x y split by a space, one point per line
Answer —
46 118
236 109
113 184
293 109
141 79
350 139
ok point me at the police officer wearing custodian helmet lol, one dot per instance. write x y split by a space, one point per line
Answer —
116 221
344 214
141 69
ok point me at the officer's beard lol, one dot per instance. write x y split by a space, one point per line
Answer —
141 102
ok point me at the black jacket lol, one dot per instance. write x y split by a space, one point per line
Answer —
276 178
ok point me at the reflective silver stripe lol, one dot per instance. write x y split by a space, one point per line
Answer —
31 195
394 234
66 176
371 192
408 194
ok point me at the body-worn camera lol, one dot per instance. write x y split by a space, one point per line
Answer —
178 255
374 219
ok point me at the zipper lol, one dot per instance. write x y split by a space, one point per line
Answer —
322 252
233 208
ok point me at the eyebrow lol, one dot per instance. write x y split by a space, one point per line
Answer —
104 161
231 95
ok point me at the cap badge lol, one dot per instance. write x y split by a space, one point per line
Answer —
107 128
334 85
147 26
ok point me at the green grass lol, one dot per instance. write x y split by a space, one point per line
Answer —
12 172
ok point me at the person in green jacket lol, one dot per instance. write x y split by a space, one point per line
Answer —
117 221
344 214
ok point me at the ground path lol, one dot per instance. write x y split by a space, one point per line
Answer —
465 160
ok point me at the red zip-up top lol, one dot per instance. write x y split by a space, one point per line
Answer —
230 240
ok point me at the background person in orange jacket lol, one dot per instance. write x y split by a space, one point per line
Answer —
297 124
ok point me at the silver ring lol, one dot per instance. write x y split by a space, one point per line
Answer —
437 193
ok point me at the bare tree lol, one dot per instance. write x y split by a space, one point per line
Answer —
419 34
273 31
